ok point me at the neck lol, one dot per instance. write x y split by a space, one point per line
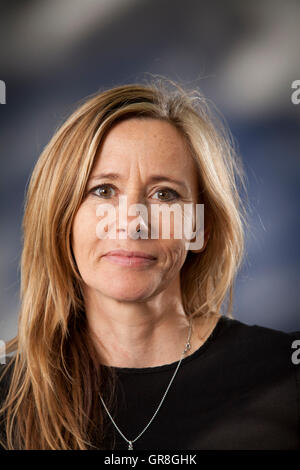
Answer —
143 334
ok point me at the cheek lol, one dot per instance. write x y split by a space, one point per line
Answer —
174 242
174 254
83 233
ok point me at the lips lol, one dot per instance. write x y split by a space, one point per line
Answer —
133 259
130 254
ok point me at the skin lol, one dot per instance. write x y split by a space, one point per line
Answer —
135 314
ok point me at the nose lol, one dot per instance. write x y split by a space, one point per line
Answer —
132 216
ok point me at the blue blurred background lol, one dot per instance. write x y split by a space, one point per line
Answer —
242 55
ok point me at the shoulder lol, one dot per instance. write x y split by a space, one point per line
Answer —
257 349
260 352
236 340
5 378
250 336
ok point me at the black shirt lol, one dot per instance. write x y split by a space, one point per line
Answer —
239 390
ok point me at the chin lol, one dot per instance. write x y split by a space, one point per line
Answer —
132 298
128 293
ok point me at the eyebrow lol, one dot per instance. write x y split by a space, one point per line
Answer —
152 179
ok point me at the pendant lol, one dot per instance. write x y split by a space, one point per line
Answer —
130 447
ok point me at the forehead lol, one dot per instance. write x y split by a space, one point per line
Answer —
147 141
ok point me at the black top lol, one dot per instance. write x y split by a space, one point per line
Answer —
239 390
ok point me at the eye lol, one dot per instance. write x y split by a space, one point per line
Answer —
166 194
106 191
103 190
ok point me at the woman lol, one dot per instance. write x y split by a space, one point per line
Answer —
122 342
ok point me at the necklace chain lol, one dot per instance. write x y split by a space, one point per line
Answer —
130 442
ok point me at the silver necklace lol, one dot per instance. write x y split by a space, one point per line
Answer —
130 442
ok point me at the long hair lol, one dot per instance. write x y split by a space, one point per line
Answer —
52 401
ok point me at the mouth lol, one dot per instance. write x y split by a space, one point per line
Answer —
129 258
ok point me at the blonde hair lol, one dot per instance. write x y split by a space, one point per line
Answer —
53 402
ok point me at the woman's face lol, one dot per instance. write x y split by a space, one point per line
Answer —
149 163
